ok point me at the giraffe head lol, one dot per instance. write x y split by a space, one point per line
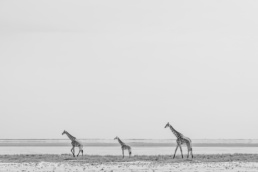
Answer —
63 132
167 125
115 138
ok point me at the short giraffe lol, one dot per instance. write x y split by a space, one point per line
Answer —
75 143
181 139
124 146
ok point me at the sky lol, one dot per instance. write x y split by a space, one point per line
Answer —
101 69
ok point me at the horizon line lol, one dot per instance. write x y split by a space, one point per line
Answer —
123 138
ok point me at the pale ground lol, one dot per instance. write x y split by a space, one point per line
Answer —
141 166
143 163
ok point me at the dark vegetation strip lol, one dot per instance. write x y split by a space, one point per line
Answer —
108 159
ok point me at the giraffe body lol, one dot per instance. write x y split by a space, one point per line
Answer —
75 143
124 147
181 139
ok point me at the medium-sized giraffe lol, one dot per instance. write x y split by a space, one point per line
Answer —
75 143
124 146
181 139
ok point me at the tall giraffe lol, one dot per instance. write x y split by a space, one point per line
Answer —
181 139
124 146
75 143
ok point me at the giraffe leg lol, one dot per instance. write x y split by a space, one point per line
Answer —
175 152
80 150
78 153
191 148
181 151
188 150
192 152
72 150
130 152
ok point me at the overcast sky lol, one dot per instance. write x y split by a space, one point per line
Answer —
101 69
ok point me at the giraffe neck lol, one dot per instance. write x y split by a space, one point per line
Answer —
176 133
70 136
121 143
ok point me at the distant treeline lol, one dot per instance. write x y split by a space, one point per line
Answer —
133 143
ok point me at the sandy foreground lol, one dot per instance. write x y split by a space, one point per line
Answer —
130 167
202 163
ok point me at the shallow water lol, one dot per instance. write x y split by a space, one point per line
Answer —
117 150
131 142
139 147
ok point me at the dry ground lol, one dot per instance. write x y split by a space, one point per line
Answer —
111 158
58 163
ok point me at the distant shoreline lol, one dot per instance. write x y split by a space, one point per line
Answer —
131 144
124 139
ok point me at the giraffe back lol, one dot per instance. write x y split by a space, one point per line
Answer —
76 143
126 147
184 140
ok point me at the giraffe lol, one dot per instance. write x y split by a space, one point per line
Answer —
75 143
181 139
124 146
